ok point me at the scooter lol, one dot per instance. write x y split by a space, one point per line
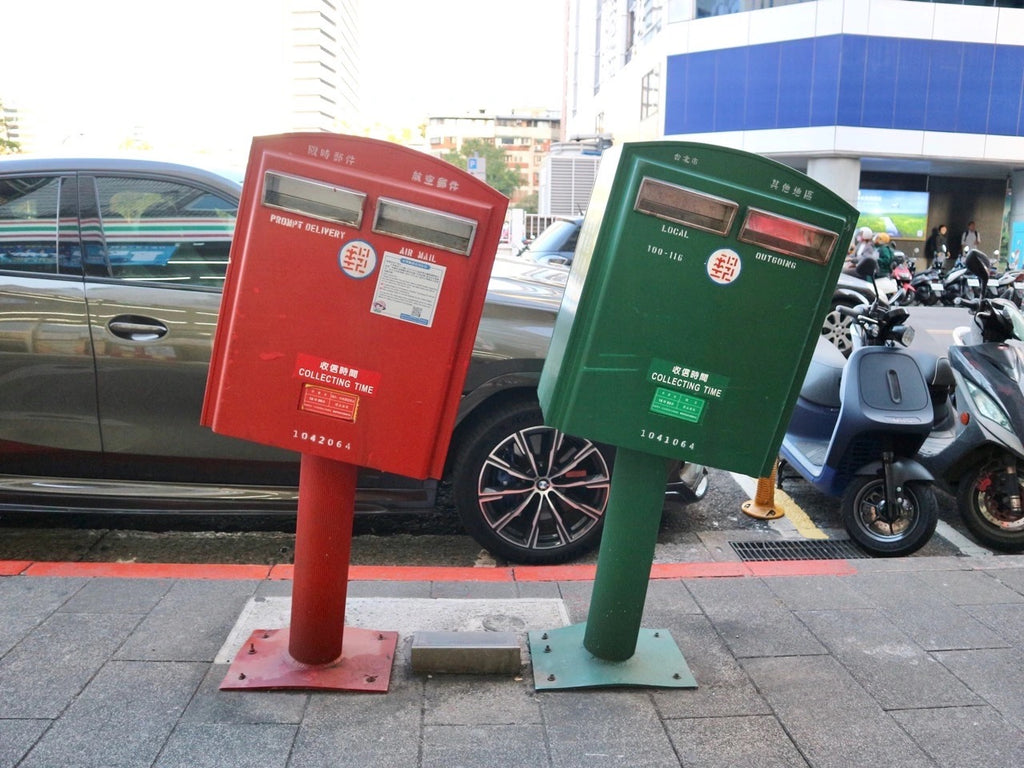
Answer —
959 283
858 424
975 451
927 286
903 274
1006 285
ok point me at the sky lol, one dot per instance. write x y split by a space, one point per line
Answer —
94 72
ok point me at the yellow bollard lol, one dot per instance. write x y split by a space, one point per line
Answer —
762 506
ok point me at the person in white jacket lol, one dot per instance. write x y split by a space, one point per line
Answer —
971 238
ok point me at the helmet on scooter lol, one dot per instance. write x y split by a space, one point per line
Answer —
882 238
864 233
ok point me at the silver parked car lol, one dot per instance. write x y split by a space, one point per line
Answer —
110 280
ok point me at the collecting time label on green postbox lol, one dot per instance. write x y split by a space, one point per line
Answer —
696 296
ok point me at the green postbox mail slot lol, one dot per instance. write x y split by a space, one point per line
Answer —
699 286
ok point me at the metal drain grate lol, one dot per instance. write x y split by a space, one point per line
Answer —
826 549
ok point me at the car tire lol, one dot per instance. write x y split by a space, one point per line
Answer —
836 327
527 492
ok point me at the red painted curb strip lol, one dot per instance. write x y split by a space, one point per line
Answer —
555 573
13 567
149 571
699 570
709 570
803 568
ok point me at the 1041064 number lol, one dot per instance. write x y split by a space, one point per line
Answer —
318 439
661 437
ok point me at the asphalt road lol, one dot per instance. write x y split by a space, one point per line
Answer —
707 530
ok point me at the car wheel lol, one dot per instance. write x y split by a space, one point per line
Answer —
836 327
527 492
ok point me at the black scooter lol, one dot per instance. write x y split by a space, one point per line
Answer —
975 451
858 424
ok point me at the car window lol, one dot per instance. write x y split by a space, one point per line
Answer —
39 225
164 231
560 235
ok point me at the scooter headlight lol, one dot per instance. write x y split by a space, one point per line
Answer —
988 407
903 334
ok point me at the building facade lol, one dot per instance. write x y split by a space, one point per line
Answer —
525 138
891 95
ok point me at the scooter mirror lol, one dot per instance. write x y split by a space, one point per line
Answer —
977 263
867 267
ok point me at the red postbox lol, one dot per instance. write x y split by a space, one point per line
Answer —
358 275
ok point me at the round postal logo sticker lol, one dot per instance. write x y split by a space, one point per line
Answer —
357 259
724 266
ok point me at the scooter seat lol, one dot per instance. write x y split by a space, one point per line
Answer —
825 373
937 372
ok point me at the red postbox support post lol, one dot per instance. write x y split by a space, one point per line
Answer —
323 546
317 650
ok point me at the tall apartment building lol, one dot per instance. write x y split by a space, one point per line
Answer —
525 138
876 95
325 71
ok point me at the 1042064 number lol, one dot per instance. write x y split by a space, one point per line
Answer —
318 439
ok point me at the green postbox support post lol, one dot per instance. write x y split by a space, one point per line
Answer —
631 524
611 648
701 278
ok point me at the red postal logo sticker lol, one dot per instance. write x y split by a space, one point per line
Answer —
724 266
357 259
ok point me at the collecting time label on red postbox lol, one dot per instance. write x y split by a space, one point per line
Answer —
357 277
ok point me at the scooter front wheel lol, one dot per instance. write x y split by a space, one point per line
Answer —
886 533
986 505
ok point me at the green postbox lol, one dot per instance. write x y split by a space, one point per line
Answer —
700 282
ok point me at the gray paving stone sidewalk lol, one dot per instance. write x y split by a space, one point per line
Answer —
908 662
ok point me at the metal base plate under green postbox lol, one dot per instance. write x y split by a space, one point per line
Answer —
560 661
701 279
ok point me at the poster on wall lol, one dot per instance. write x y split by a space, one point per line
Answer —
899 213
1015 258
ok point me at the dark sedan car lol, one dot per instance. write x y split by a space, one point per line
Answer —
556 245
110 280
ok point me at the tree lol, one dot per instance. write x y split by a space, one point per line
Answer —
530 203
7 145
504 179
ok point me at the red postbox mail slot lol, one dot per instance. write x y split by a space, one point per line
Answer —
357 278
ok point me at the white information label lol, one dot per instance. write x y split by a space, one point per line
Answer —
407 289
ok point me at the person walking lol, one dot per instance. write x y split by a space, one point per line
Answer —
971 238
937 247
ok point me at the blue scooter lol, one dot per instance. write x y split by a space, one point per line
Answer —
858 424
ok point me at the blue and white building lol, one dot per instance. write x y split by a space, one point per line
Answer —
895 95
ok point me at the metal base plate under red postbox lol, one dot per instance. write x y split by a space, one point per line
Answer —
264 663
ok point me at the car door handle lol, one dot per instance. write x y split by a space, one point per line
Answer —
135 328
